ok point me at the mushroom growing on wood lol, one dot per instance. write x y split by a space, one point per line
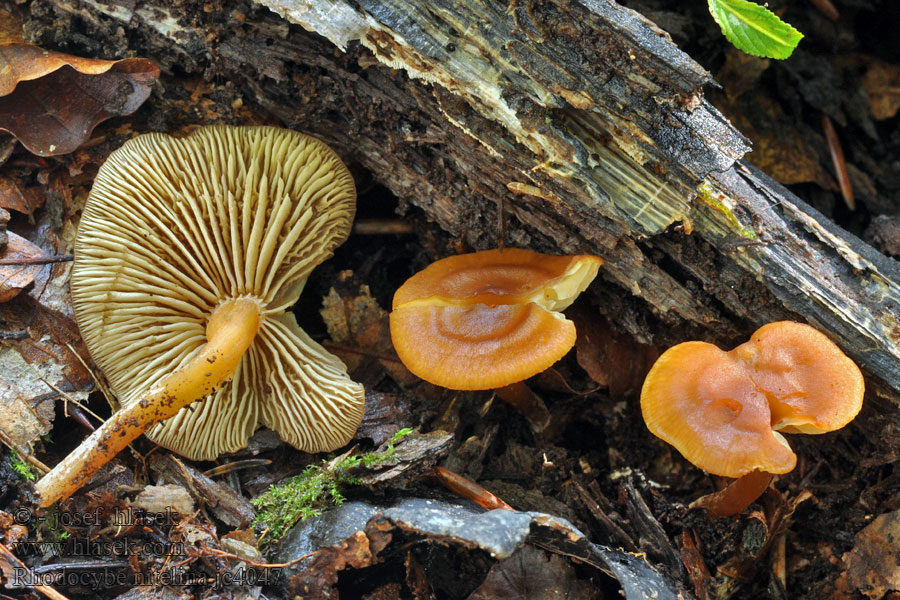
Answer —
488 319
724 411
188 253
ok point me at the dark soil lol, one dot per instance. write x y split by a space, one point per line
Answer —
596 447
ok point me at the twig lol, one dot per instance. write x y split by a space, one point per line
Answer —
382 227
44 589
98 381
253 563
248 463
468 489
837 159
23 452
40 260
67 398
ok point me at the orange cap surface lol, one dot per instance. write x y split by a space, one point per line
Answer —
811 385
721 409
488 319
700 400
479 347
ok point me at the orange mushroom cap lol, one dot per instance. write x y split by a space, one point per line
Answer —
701 400
811 385
488 319
720 409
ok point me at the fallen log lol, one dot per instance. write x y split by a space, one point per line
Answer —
579 118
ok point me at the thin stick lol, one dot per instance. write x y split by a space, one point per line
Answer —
44 589
252 563
67 398
466 488
100 383
40 260
382 227
231 467
23 452
837 159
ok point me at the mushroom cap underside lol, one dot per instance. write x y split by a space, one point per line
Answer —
173 227
508 276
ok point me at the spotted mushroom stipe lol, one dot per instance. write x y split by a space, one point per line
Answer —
174 228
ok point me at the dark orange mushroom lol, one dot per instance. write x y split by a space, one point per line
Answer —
488 319
723 410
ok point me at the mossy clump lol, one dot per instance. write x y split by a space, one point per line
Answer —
315 489
24 470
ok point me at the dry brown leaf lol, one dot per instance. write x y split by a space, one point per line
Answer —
14 195
362 336
10 28
612 360
26 410
359 550
871 567
15 278
52 101
38 357
530 574
741 72
882 84
784 152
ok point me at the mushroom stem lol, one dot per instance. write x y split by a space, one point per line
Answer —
229 332
736 496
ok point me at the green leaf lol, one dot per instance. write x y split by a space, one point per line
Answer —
754 29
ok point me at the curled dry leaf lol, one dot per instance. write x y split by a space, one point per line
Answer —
15 195
612 360
51 101
362 338
14 278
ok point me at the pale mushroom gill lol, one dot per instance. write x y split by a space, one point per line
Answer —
177 226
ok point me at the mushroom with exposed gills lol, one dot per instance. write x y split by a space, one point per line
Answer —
488 319
723 410
188 253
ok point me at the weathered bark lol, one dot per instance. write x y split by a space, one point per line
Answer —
580 115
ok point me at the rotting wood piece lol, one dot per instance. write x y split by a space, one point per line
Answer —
583 116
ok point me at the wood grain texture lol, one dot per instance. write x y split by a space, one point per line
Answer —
583 117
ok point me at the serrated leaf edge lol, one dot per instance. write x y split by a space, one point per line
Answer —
720 9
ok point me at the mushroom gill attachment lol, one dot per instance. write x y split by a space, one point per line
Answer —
488 319
723 410
188 253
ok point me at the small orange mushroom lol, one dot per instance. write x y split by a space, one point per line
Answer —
488 319
723 410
